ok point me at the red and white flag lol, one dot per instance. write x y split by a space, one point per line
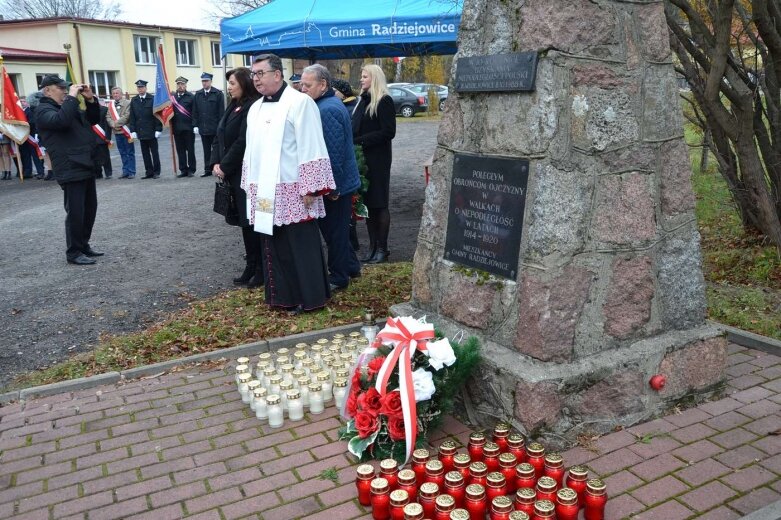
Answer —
13 122
102 134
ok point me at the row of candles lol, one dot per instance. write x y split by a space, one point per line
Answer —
304 378
503 479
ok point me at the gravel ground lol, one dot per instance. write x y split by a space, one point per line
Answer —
162 242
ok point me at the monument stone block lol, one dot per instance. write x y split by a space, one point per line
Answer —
625 209
630 295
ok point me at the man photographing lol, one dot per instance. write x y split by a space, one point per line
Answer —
70 141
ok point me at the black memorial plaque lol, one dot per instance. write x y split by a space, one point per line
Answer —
485 219
497 72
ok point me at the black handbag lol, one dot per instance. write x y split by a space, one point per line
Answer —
225 203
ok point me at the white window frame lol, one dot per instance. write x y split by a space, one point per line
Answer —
105 79
142 57
248 60
216 56
185 52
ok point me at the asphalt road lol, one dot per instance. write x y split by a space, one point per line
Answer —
162 242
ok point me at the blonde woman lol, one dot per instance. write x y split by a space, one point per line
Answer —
374 127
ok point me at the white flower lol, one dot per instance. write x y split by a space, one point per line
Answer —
423 383
440 354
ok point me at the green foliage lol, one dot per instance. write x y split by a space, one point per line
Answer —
331 474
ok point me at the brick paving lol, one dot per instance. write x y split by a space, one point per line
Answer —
182 445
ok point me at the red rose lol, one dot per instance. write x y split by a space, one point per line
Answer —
370 401
366 424
374 365
391 403
396 427
352 404
356 382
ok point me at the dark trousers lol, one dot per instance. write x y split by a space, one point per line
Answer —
207 141
185 151
81 205
127 151
104 158
151 157
29 158
335 227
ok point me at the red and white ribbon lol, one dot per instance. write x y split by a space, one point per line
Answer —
101 133
114 113
39 150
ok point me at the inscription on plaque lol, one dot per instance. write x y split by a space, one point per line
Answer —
485 219
497 72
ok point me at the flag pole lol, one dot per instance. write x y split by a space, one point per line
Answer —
19 162
170 130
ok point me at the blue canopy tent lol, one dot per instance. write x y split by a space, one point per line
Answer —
342 29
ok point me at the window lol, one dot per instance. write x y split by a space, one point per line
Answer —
216 54
102 80
248 60
185 52
15 82
146 53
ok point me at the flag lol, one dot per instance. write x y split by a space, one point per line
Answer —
162 106
13 122
70 77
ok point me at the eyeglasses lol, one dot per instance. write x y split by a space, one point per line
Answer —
259 73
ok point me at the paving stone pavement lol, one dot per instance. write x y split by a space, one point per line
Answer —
184 445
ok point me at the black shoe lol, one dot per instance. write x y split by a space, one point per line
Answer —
191 174
39 176
256 280
355 275
381 256
371 254
156 176
49 176
245 277
91 252
148 176
206 174
109 177
337 288
81 260
295 311
183 174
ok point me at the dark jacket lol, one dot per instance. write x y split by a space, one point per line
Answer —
70 142
228 151
375 133
338 135
183 122
208 110
105 126
142 120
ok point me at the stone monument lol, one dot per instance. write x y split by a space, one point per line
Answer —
559 219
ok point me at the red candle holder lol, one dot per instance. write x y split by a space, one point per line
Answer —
380 499
546 489
427 494
525 499
554 468
447 451
475 502
566 504
501 507
544 509
525 476
419 459
475 446
516 444
535 455
519 515
408 482
455 486
477 473
389 470
443 505
459 514
495 485
363 481
501 432
435 472
595 499
491 456
398 499
461 463
413 511
507 463
576 479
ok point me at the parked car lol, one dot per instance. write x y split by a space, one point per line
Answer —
407 102
423 89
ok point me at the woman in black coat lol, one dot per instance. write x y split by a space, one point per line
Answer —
374 127
227 154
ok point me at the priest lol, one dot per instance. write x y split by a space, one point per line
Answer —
286 172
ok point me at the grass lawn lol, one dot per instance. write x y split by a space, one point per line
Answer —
743 277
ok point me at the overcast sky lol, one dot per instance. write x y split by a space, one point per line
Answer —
187 13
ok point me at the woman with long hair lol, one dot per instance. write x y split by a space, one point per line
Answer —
374 127
227 154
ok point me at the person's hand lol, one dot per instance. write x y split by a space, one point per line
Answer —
195 130
74 90
86 91
133 135
218 171
308 200
157 134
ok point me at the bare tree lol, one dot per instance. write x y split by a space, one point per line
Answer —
96 9
231 8
730 55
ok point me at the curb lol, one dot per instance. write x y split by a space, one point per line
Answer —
156 368
771 512
751 340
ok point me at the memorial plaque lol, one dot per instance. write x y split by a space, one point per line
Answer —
485 219
497 72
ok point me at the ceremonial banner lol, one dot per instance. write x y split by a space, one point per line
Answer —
13 122
162 106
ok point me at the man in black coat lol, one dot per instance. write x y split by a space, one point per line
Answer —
103 143
70 141
146 128
182 127
207 111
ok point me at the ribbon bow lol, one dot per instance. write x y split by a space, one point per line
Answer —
405 344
